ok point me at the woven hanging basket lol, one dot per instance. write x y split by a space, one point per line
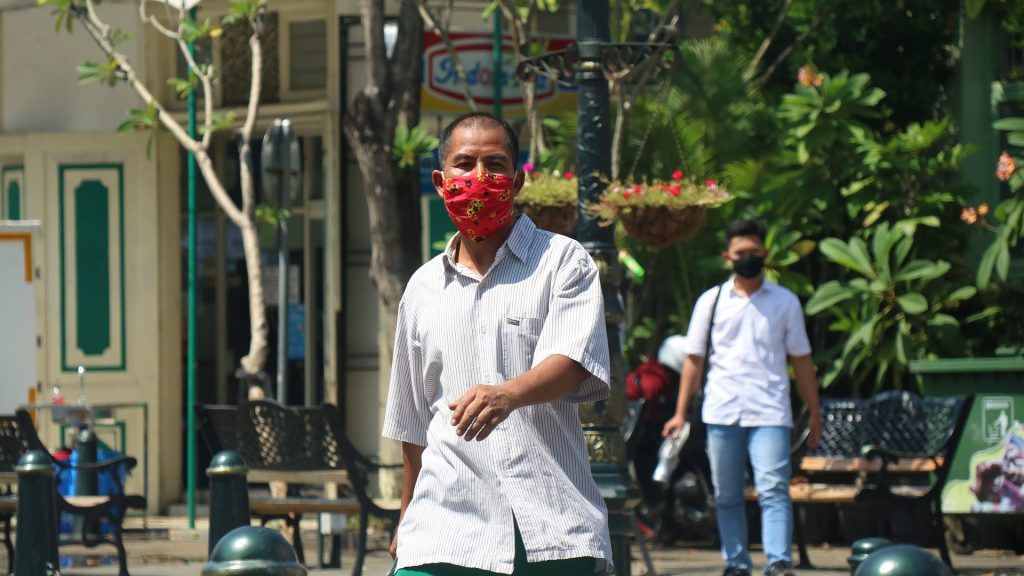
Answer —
557 219
661 226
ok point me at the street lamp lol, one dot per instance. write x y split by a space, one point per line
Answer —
190 369
587 65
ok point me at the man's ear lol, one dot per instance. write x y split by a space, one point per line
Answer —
437 177
518 181
725 257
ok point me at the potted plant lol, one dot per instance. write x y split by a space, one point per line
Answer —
659 213
549 199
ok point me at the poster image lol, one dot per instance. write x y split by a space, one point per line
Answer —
994 480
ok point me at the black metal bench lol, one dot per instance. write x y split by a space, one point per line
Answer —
18 435
300 446
891 454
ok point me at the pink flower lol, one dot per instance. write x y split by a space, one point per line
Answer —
528 167
677 175
568 175
711 184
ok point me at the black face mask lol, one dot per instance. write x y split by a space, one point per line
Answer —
748 266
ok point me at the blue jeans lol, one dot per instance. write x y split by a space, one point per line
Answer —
768 448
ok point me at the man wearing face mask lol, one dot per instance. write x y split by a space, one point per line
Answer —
750 327
498 341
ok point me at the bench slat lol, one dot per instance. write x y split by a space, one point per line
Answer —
901 466
282 506
298 476
816 493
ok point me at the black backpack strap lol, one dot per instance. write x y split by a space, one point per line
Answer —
707 343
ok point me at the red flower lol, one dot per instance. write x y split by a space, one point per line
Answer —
1006 167
568 175
626 194
638 190
710 184
677 175
675 190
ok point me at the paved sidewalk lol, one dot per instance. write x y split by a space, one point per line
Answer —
171 549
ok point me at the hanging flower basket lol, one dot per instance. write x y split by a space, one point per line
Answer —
661 226
549 199
659 213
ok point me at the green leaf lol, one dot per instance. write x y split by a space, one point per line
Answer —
988 263
922 270
974 8
1003 261
942 321
961 294
984 314
902 342
913 303
839 252
1009 124
863 335
826 296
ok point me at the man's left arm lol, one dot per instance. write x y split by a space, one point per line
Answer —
807 387
798 347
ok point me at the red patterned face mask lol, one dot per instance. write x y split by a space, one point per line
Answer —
479 203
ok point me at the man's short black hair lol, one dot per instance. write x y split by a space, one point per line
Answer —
473 118
745 228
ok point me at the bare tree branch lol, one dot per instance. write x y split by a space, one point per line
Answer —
373 38
460 70
796 43
769 38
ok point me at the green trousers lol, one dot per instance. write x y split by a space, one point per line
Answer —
568 567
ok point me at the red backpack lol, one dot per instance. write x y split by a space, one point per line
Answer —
648 381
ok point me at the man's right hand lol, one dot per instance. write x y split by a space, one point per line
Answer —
673 426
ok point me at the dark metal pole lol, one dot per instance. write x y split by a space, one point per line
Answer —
229 495
282 280
36 543
602 421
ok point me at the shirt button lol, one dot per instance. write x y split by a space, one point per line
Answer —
483 330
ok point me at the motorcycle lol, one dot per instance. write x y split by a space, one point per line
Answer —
681 507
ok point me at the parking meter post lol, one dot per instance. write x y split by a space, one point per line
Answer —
229 495
36 545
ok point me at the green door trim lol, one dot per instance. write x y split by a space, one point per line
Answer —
119 168
12 213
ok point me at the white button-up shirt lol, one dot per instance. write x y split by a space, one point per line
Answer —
541 296
752 338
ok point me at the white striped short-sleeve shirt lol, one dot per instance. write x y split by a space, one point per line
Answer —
541 296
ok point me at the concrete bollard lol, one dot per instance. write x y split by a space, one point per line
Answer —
36 547
253 551
902 560
87 482
229 495
862 548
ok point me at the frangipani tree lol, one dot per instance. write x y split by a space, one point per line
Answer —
173 21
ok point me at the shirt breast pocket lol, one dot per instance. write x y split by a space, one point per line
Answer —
519 336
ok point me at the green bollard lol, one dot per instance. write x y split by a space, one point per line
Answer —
863 548
35 550
253 551
902 560
229 495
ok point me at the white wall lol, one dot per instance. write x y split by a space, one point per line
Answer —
40 81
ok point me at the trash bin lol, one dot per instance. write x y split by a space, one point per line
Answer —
986 502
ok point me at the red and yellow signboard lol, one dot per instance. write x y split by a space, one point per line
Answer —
442 91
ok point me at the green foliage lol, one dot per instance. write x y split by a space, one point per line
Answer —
271 215
786 248
412 145
220 122
1009 212
108 72
191 31
245 10
891 309
904 45
142 119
